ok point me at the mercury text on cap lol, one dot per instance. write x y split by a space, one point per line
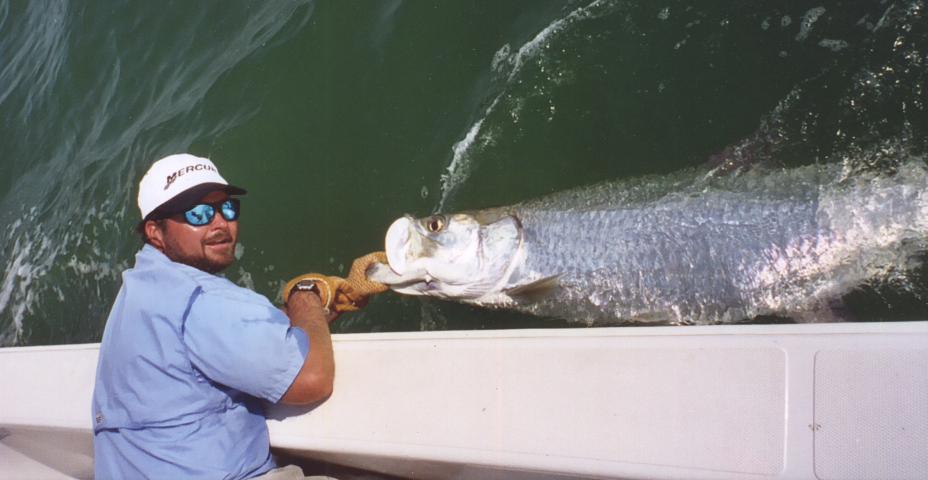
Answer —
190 168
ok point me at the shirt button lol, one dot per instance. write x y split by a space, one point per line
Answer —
99 418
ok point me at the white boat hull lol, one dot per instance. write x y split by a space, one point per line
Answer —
845 400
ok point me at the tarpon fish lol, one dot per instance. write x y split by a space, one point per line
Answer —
687 248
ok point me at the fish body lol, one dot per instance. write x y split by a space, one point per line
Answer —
685 248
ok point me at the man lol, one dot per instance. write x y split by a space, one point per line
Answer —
188 356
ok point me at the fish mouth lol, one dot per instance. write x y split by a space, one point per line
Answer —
397 273
397 244
411 284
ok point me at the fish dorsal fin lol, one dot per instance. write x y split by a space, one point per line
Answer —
537 289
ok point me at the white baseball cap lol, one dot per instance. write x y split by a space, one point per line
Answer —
177 181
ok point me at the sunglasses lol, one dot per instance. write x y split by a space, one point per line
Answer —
203 213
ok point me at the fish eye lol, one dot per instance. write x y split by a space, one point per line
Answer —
435 224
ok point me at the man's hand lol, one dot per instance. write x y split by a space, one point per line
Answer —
357 277
340 294
325 287
357 289
303 304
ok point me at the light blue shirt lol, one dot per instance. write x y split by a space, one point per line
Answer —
186 360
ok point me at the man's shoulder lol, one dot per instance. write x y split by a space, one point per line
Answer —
151 266
215 285
224 290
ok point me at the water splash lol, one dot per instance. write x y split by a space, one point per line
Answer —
808 18
833 44
509 66
459 169
845 110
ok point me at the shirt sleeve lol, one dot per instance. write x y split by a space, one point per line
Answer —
248 346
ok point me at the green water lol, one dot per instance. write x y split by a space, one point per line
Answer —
339 116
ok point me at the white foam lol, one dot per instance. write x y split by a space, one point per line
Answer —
808 18
882 21
31 259
9 283
501 60
833 45
459 168
530 49
245 279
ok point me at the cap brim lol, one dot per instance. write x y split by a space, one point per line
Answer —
184 200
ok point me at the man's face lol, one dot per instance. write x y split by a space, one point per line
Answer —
210 247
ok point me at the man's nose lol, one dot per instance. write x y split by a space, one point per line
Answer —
219 221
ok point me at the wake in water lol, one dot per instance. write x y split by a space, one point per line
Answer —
870 87
78 132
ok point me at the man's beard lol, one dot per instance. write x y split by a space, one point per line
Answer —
201 261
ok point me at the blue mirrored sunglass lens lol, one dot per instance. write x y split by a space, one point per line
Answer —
230 210
200 215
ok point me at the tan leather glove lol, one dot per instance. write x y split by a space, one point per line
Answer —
341 294
357 277
361 288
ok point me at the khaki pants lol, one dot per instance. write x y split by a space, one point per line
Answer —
290 472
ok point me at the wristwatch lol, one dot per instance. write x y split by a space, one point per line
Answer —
307 286
310 286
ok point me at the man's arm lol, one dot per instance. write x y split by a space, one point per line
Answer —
314 381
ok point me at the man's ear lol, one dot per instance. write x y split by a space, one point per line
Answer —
155 234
